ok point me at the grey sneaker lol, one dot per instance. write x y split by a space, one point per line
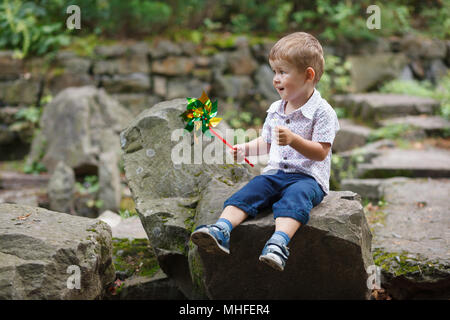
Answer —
275 254
212 238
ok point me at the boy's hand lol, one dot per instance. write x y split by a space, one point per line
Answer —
283 135
238 152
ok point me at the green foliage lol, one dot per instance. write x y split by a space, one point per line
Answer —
346 19
336 77
241 119
394 131
34 168
240 23
125 214
89 186
38 27
25 28
441 92
438 20
280 21
344 167
409 87
341 113
31 114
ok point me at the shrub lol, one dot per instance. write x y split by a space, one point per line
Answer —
23 28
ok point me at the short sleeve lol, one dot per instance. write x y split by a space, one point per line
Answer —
267 127
326 127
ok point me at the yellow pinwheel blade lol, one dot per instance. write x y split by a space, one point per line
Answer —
214 121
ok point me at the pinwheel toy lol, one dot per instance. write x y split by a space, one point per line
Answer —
204 111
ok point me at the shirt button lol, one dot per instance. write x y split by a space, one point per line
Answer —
287 121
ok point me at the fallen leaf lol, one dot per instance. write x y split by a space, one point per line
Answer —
23 217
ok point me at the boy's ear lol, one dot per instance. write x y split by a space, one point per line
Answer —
310 73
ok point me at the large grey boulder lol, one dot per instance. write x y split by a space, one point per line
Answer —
329 257
172 199
61 189
166 192
77 126
370 70
42 252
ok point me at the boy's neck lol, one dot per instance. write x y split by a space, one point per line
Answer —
293 105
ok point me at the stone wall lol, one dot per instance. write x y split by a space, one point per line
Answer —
140 74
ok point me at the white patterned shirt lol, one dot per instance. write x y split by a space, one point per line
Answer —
315 121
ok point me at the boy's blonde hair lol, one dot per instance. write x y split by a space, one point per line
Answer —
302 50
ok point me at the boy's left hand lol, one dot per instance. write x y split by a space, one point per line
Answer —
283 135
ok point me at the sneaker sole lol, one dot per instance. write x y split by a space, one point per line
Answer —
267 259
203 239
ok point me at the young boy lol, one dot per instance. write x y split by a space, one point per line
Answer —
296 178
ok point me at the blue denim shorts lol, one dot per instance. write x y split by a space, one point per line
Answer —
290 194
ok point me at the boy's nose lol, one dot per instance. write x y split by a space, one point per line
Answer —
276 79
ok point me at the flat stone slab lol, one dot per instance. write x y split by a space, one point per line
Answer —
157 287
350 136
429 162
17 180
411 237
130 228
377 106
29 196
432 125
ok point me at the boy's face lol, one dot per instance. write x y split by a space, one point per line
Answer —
291 84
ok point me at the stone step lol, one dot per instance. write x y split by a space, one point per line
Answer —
431 125
373 107
350 136
130 228
428 162
17 180
36 197
157 287
410 234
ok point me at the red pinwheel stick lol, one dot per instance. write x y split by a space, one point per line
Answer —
229 145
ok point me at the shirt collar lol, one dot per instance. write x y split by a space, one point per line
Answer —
307 109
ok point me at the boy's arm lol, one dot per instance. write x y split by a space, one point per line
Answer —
257 147
317 151
313 150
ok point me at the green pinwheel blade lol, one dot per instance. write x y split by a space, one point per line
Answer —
189 126
214 109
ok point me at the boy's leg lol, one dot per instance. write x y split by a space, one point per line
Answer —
290 212
215 238
287 225
247 201
234 215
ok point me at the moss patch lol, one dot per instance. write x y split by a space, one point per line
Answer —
406 264
134 257
196 268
